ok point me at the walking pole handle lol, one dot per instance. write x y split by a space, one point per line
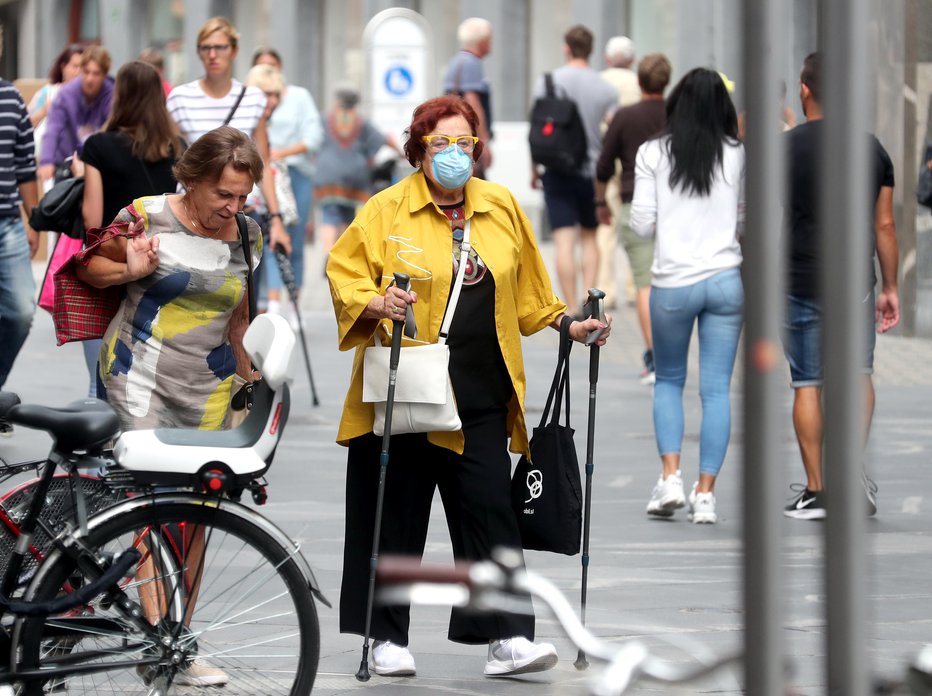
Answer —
403 281
595 307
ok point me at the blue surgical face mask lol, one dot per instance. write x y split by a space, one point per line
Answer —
451 167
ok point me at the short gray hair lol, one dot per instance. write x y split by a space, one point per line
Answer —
620 50
472 31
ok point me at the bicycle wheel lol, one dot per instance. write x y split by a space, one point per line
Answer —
247 619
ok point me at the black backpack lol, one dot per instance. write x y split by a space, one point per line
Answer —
557 137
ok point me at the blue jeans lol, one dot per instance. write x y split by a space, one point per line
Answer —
303 188
716 303
17 292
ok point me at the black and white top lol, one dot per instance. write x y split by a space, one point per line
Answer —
196 113
17 150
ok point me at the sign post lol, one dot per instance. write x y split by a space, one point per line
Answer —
399 59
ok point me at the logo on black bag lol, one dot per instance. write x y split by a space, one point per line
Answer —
535 486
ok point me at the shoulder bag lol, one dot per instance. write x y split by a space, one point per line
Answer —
81 311
241 399
424 400
546 490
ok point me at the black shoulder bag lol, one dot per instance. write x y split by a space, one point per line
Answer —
546 491
244 397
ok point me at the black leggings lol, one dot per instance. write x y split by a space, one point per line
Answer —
475 489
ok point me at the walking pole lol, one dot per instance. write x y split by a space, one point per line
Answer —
594 308
402 281
287 272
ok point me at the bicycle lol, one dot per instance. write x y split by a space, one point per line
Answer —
127 599
503 584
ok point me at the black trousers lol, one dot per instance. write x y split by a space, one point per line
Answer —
475 489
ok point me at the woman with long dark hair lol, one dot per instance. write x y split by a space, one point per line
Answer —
132 156
689 193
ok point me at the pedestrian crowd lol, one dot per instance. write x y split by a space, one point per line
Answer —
167 172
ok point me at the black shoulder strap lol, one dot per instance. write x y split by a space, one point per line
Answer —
235 106
247 252
548 85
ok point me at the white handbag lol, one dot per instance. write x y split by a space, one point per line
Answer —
424 400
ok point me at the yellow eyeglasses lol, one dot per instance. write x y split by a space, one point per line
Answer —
439 142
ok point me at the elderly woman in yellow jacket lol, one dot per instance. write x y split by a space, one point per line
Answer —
416 227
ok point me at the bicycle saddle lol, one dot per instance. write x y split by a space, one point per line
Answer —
82 424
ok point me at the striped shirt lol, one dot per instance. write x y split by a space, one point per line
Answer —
17 151
196 113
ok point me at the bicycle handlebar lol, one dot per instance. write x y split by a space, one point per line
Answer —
498 585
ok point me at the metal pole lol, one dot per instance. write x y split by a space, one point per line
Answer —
846 217
764 383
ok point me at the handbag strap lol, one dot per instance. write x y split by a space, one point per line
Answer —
105 234
229 117
560 387
247 253
457 285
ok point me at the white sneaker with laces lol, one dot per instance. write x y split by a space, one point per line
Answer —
201 673
667 496
701 507
518 655
392 660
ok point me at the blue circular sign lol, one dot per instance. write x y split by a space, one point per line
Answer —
398 80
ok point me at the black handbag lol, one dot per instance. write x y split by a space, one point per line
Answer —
546 491
59 210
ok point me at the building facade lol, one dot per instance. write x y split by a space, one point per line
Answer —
321 42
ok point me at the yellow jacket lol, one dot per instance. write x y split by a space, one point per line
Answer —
402 230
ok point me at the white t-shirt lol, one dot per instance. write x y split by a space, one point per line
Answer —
196 113
696 236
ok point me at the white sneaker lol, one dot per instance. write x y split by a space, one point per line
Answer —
667 496
201 673
392 660
518 655
701 507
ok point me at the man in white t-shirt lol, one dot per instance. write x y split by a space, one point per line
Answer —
217 99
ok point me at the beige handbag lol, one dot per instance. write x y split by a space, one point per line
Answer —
424 400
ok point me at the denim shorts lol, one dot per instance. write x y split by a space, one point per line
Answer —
570 200
802 339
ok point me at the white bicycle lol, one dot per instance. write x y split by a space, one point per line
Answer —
503 584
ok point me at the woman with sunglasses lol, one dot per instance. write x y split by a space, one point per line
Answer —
417 227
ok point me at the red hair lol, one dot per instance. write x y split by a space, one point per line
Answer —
428 115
